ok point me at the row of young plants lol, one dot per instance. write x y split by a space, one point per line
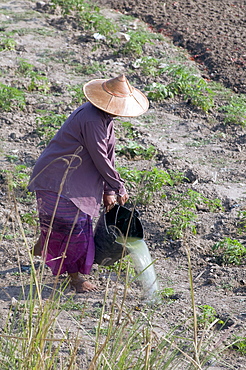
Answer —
184 81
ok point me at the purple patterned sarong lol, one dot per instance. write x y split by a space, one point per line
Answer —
69 244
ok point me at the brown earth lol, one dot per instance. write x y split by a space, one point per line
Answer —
209 153
214 32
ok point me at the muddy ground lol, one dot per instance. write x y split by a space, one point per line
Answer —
209 153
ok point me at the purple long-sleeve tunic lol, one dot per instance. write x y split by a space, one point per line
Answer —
79 160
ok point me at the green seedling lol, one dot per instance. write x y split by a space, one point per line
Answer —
7 44
148 65
235 110
17 181
30 218
37 81
89 69
242 221
207 316
137 41
182 216
229 251
8 237
70 305
199 142
11 98
128 129
77 94
167 293
17 178
94 21
25 68
122 266
47 126
12 158
240 345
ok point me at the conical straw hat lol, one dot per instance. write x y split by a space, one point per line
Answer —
116 96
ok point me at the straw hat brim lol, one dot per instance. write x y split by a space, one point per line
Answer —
128 106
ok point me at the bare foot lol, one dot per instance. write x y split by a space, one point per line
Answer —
81 285
37 248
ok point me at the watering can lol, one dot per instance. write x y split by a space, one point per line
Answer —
118 222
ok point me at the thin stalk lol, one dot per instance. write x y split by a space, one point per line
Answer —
195 325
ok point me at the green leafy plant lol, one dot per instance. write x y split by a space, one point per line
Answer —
240 344
48 125
25 68
182 215
229 251
193 88
242 221
18 177
38 81
235 110
121 266
88 69
137 40
29 218
78 96
11 98
12 158
134 150
128 129
167 293
7 43
16 181
207 316
148 65
88 16
149 182
92 20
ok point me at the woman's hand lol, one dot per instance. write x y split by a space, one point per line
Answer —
109 201
122 199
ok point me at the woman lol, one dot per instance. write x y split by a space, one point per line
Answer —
76 171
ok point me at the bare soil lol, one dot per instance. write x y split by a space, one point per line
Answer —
214 33
209 153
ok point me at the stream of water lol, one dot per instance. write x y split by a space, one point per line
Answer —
144 267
